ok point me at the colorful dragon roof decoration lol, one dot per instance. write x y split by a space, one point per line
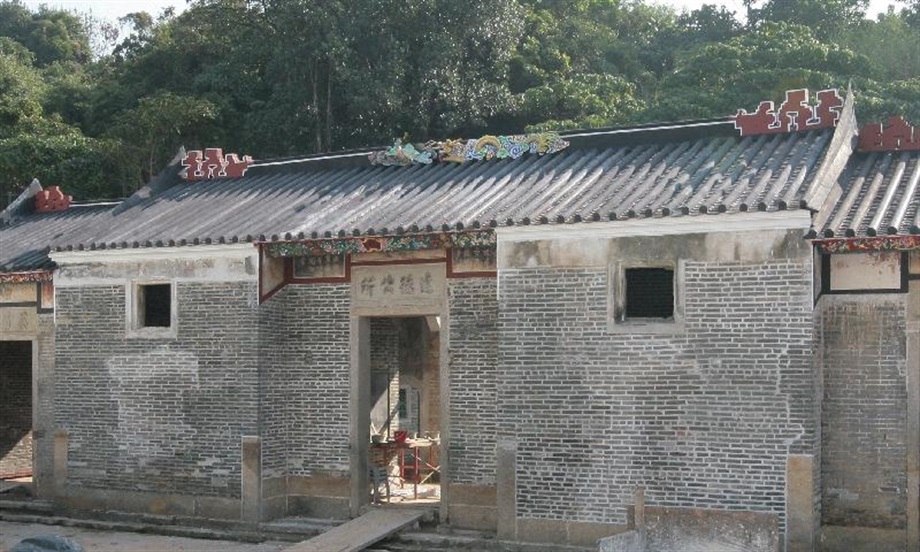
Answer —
459 151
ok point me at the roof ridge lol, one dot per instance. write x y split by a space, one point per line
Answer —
589 133
18 206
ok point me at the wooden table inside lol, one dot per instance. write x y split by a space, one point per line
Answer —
421 460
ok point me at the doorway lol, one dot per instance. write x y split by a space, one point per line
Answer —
16 444
404 425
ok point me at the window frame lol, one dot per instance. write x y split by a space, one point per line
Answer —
134 311
618 322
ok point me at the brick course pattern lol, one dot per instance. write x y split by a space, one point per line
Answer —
865 408
384 359
15 408
273 359
473 386
43 435
704 418
305 381
163 415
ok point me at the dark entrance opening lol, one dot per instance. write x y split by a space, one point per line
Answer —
15 409
404 451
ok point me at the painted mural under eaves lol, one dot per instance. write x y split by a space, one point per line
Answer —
472 240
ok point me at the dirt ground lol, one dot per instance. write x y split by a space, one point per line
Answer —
111 541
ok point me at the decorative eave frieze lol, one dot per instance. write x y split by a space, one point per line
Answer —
868 244
26 277
475 239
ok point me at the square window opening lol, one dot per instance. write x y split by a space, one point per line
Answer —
649 293
155 305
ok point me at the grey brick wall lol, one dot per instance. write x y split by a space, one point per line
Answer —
705 418
865 407
273 363
431 422
473 371
305 380
162 415
15 407
43 466
385 373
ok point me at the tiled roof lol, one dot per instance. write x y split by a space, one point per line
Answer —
646 172
878 194
25 240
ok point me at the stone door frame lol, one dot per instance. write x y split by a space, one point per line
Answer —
33 340
359 384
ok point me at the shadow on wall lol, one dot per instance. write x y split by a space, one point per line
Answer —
15 409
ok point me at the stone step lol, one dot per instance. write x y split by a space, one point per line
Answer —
454 540
27 506
301 526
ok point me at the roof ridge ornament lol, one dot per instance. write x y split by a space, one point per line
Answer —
212 163
795 114
52 200
898 135
474 149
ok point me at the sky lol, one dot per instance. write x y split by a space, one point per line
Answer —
113 9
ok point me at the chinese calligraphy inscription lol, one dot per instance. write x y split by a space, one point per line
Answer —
380 286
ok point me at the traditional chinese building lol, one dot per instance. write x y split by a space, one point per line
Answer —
683 336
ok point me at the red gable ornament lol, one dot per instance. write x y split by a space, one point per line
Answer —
52 200
899 135
794 115
212 163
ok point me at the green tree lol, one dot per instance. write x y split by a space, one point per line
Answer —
876 101
36 144
585 100
890 43
828 18
289 76
22 91
577 65
86 168
720 78
152 132
50 34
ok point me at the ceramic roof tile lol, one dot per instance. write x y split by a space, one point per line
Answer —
879 194
678 171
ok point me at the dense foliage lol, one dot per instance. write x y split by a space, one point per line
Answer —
100 113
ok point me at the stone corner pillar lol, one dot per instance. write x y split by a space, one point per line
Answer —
61 445
800 509
506 488
251 472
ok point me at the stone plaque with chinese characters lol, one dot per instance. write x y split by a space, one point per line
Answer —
397 285
18 293
18 320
